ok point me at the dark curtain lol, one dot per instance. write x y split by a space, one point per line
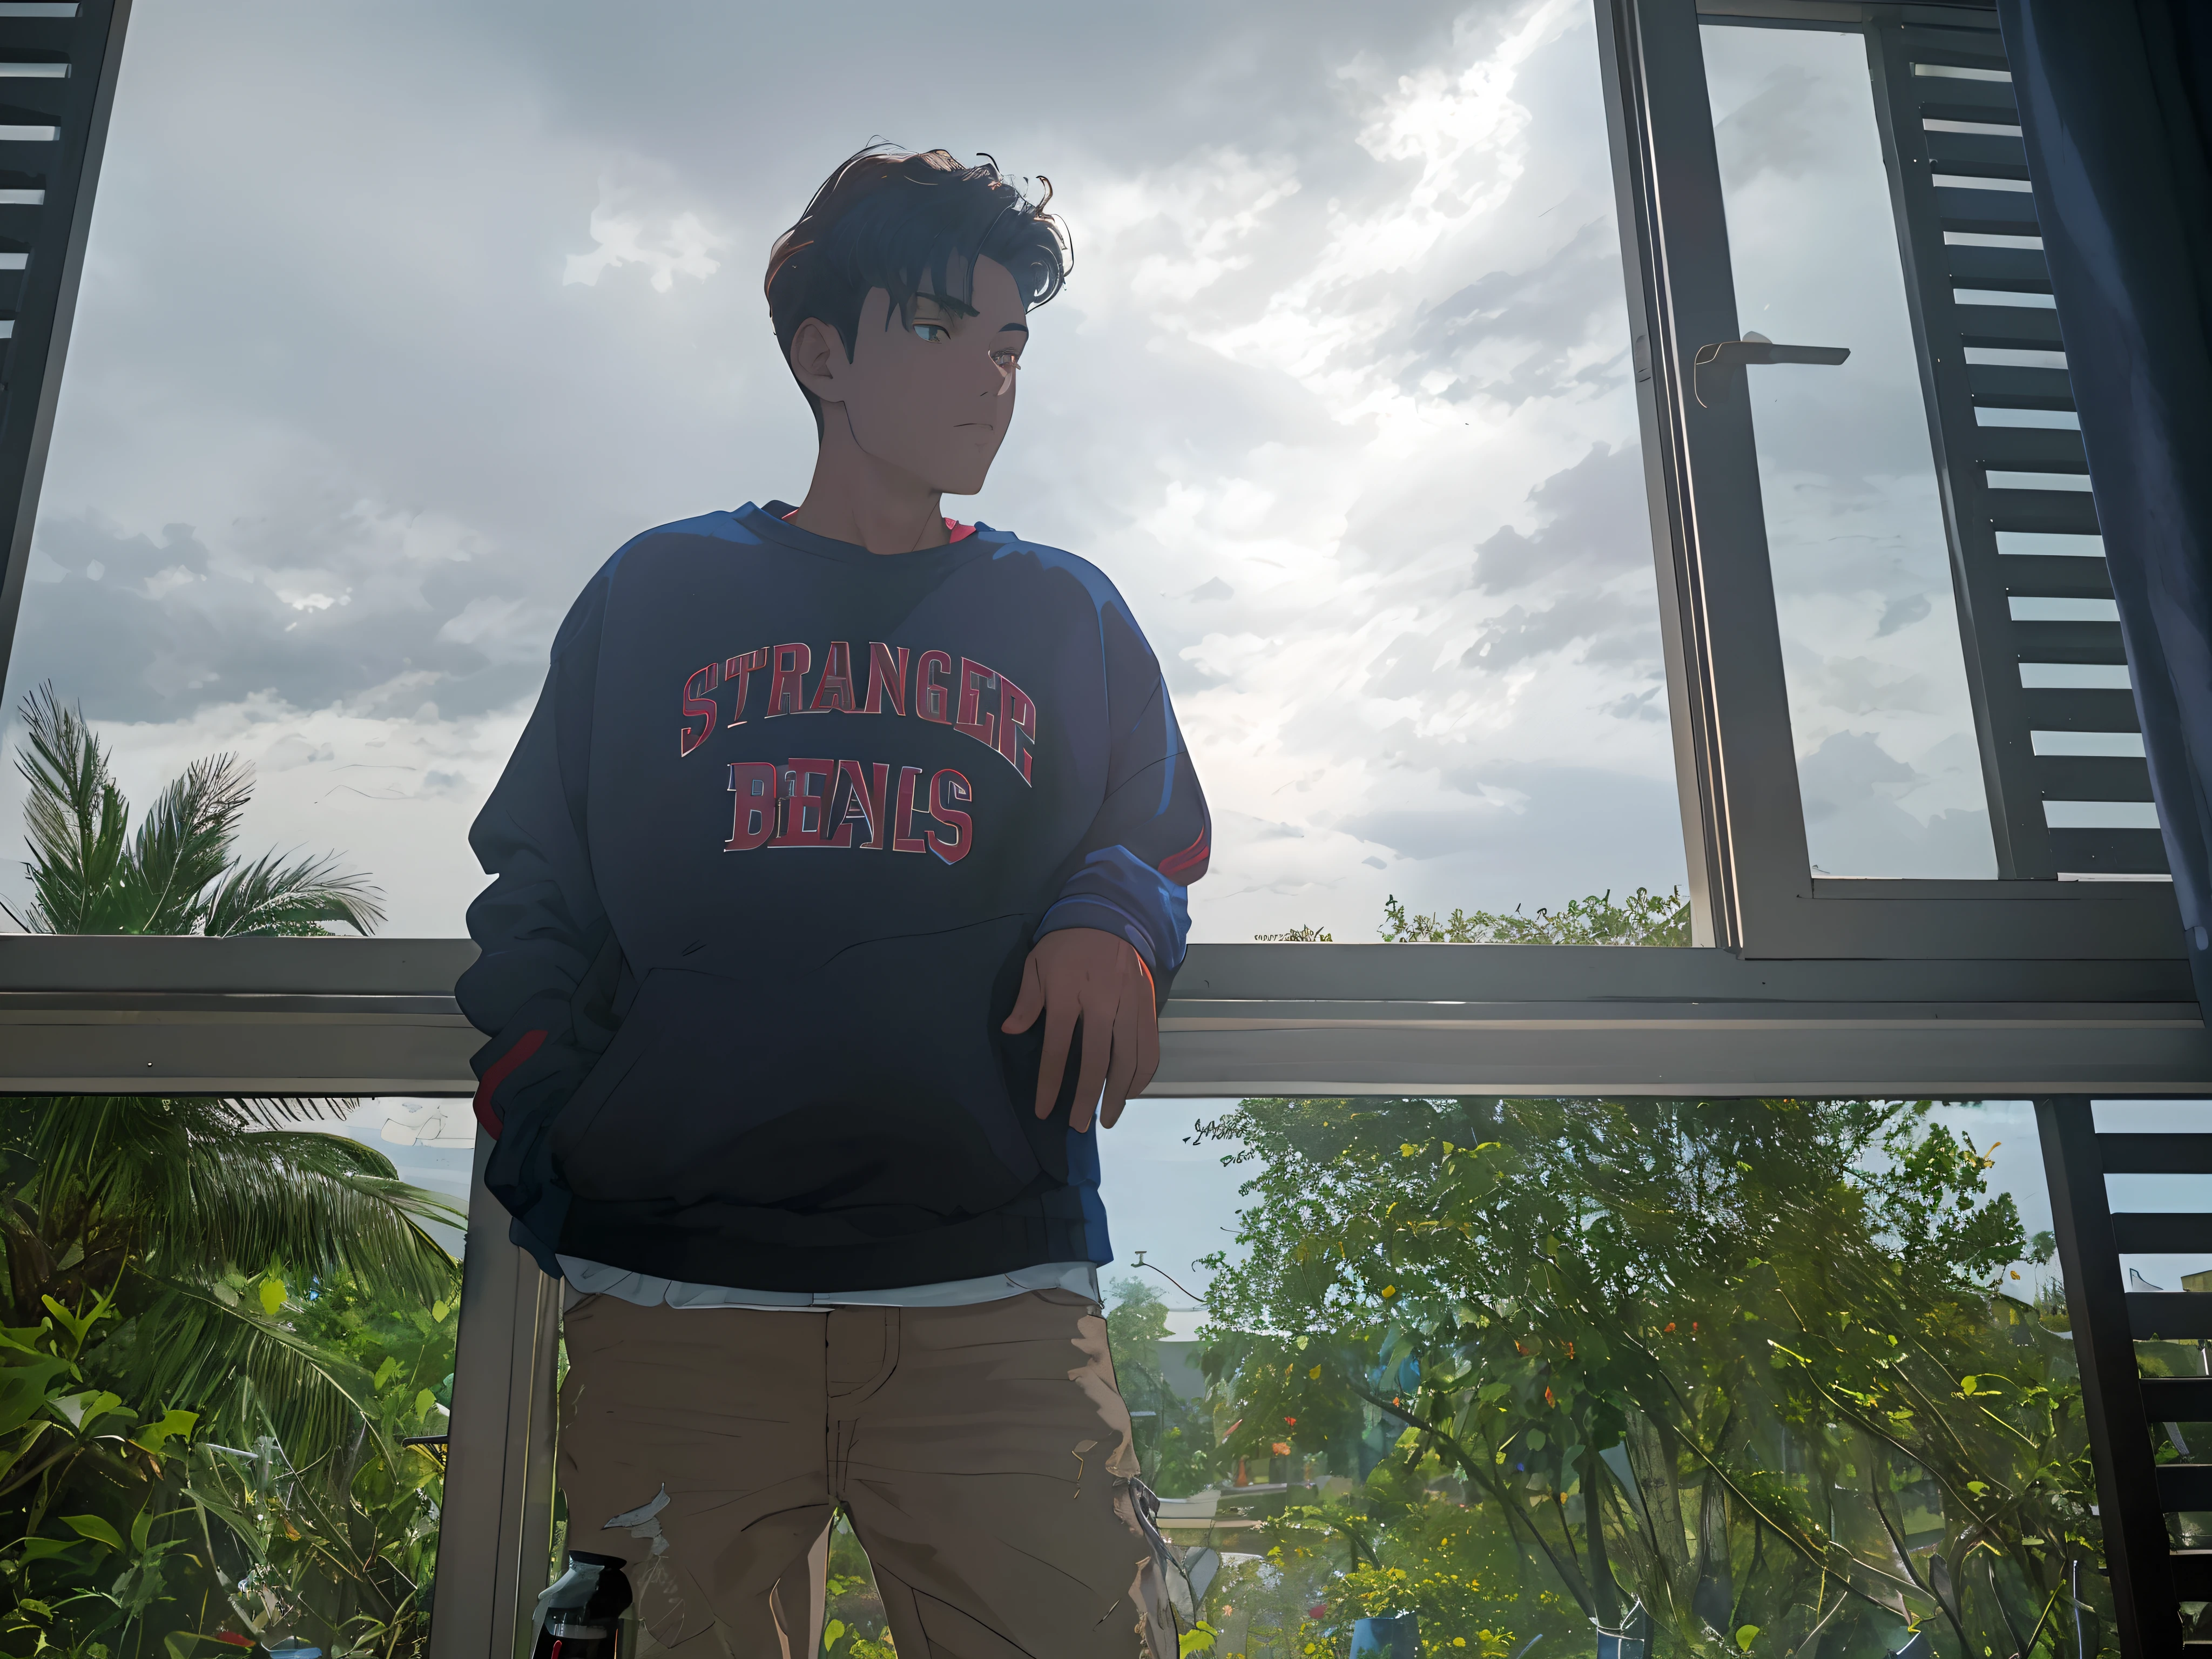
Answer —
2116 109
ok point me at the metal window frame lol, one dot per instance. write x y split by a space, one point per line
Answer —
1823 988
1752 883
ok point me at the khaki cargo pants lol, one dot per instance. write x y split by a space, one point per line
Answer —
982 1453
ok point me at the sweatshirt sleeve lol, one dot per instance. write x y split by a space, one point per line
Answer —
1152 836
541 989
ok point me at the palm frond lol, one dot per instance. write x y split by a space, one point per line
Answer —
184 845
245 1375
289 1111
77 821
294 899
198 1193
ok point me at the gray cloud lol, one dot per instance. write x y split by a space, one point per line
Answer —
1407 667
1607 620
1768 132
144 629
1902 612
1592 525
1854 825
1566 834
1640 705
1551 308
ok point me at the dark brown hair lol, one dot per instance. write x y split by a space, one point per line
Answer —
910 223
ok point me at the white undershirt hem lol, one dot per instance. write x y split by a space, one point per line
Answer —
588 1278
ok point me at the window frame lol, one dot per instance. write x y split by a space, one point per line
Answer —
1792 985
1752 883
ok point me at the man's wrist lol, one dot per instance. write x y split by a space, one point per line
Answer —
1096 914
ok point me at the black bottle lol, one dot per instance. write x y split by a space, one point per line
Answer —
579 1615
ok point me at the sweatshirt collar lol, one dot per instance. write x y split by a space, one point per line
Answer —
769 524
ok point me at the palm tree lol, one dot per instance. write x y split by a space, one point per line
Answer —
168 1204
178 875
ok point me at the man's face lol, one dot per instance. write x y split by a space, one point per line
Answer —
933 396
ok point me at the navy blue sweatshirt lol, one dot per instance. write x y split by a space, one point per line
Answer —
714 1060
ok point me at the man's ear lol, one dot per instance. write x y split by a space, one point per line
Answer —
818 360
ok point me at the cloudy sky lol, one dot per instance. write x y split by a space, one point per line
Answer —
397 320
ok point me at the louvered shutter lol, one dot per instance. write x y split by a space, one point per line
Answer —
58 68
1938 177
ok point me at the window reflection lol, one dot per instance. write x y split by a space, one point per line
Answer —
1888 759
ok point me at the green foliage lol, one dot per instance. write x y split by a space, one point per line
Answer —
853 1606
95 1548
1176 1444
1755 1362
190 1213
263 1509
178 874
1642 918
220 1324
1413 1550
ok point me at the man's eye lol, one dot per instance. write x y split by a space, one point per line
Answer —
931 331
1007 359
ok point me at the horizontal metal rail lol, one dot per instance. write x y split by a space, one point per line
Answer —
371 1016
2169 1316
2178 1398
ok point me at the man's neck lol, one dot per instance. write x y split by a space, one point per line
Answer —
854 497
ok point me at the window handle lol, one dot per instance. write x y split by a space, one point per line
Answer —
1719 366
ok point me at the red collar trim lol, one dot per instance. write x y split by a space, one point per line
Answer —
960 532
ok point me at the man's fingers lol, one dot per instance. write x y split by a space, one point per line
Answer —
1081 977
1059 1026
1120 1070
1029 1003
1097 1049
1147 1019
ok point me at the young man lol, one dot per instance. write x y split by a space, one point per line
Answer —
812 1138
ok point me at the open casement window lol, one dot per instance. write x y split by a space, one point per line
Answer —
1881 580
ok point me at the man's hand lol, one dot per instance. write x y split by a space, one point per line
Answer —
1082 973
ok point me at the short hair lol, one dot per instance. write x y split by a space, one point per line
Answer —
911 223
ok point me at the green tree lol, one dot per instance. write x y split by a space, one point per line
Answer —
210 1264
1412 1545
180 872
1753 1363
1642 918
1176 1443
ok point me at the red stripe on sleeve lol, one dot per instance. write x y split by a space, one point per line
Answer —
1193 857
500 1070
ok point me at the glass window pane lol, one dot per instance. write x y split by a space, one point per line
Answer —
1775 1368
1888 763
1339 394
